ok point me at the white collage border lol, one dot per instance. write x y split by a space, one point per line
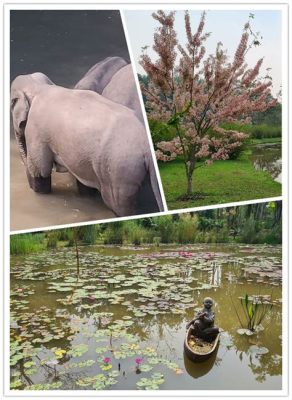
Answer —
5 112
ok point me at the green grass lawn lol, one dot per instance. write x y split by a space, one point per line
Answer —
222 182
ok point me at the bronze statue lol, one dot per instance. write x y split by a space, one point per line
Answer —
203 323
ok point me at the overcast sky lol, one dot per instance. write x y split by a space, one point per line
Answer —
225 26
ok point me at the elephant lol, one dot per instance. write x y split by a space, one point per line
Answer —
101 143
121 88
100 74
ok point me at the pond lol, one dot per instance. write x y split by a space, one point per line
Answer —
121 325
267 157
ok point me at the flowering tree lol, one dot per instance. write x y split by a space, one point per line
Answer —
195 95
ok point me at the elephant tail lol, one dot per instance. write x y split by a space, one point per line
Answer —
154 182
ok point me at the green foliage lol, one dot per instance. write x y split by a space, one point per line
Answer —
161 131
26 243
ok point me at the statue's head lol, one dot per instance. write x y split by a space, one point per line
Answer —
208 303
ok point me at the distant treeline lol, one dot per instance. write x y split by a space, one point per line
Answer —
254 223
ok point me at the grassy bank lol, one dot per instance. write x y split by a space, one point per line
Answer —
221 182
27 244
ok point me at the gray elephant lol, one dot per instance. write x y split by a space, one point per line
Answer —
121 88
100 74
100 142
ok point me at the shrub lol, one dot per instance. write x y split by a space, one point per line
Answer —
186 228
114 233
156 241
88 234
52 239
165 228
135 233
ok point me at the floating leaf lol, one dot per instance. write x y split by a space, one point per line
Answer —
258 350
106 367
60 353
78 350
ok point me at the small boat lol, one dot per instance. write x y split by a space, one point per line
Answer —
198 357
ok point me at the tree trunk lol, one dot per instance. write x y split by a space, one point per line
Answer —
190 167
190 185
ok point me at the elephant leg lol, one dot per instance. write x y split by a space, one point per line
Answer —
146 201
39 184
85 190
122 200
39 166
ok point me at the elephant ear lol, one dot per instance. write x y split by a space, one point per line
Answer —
20 108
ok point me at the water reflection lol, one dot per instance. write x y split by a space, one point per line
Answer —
216 273
267 157
197 370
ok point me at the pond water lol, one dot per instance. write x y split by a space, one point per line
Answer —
121 325
267 157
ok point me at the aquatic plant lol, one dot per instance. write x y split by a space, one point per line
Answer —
255 309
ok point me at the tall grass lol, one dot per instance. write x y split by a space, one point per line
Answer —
26 243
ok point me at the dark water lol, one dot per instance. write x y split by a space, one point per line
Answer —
267 157
64 44
130 304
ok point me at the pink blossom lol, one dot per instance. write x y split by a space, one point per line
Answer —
106 360
138 361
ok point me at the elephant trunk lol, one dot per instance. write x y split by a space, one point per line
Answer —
20 139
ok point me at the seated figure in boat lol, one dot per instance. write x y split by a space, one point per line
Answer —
203 323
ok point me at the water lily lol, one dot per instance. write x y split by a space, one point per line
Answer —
138 363
106 360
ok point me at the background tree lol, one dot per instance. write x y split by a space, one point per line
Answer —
195 95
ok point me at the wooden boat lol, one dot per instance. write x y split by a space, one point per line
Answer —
198 357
